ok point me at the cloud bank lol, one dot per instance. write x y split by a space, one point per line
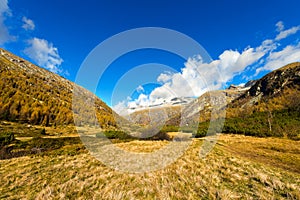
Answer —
196 77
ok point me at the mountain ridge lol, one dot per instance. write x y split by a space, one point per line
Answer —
31 94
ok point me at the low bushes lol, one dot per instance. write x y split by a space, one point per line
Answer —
121 135
159 136
263 124
6 138
283 123
169 128
114 134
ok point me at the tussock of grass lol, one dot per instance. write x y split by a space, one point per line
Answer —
221 175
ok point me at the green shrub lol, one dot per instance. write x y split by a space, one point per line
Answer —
43 131
188 129
45 143
159 136
169 128
201 130
114 134
6 138
282 123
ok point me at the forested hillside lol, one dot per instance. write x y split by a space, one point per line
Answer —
30 94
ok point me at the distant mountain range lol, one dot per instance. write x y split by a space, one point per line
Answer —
167 102
190 107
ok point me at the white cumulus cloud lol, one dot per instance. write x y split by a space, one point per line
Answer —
285 33
4 12
28 24
279 26
197 77
164 77
44 54
275 60
140 89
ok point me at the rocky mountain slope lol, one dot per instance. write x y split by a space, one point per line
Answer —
152 115
269 106
30 94
282 82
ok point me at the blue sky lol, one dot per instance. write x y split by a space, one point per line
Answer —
245 39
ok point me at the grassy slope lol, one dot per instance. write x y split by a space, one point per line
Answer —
227 173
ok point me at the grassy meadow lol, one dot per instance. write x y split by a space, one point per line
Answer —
239 167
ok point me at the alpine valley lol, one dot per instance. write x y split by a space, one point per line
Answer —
42 156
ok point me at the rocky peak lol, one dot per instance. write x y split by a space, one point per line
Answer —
274 82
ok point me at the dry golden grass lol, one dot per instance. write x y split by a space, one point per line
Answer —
221 175
24 138
282 153
178 134
142 146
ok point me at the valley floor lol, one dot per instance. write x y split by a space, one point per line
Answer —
238 167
